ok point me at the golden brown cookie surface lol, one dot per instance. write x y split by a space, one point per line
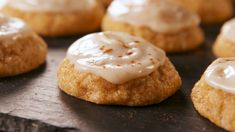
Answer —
147 90
215 11
216 105
21 50
58 18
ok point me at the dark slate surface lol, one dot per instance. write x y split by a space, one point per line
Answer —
33 102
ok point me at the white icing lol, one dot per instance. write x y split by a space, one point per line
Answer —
221 74
52 5
228 30
11 26
159 15
114 56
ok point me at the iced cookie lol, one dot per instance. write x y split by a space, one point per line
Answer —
225 43
214 95
115 68
57 17
210 11
21 49
166 25
215 11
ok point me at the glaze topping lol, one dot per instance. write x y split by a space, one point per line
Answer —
158 15
116 57
221 74
11 26
228 30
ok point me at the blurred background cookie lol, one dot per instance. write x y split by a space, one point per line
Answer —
225 42
192 5
58 17
166 25
214 95
21 50
115 68
210 11
215 11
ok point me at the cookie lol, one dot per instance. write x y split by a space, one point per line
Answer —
214 95
210 11
58 17
225 42
215 11
115 68
166 25
192 5
21 49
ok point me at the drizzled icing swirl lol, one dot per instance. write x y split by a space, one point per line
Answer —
158 15
116 57
221 74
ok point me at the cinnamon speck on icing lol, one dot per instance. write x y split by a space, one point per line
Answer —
120 63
